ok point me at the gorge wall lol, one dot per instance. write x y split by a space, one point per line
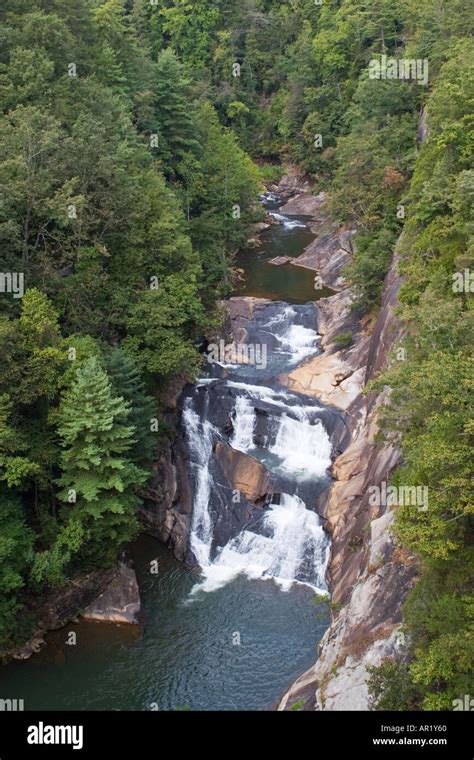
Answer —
369 576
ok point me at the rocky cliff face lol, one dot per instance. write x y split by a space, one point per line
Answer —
167 507
369 576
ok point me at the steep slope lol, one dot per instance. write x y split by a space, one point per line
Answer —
368 575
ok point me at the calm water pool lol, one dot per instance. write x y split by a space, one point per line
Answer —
185 654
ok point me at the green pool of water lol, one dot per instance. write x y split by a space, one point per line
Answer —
236 648
290 283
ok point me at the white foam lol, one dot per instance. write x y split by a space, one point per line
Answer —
289 224
244 424
200 439
299 341
304 448
291 547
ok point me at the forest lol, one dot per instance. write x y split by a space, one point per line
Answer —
135 138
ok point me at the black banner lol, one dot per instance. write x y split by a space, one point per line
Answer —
379 734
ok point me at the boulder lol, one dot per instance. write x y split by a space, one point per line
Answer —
120 602
25 651
278 261
244 473
292 182
334 379
329 255
304 204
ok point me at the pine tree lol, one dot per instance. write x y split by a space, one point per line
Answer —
175 124
127 382
98 477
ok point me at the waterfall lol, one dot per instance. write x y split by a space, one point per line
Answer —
200 434
299 342
303 448
244 424
297 439
295 340
290 547
285 541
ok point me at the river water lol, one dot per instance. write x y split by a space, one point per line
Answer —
288 237
234 632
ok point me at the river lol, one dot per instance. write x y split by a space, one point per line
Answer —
233 634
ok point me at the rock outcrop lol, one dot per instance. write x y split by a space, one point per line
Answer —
59 607
304 204
336 376
167 507
279 261
369 575
292 182
329 254
119 602
245 473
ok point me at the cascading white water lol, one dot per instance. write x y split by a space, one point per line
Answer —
291 546
303 448
298 441
295 340
200 439
288 543
244 420
299 342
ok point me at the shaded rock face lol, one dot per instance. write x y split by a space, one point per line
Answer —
329 254
61 606
167 508
119 602
368 575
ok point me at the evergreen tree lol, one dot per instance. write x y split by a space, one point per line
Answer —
98 479
127 382
173 112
